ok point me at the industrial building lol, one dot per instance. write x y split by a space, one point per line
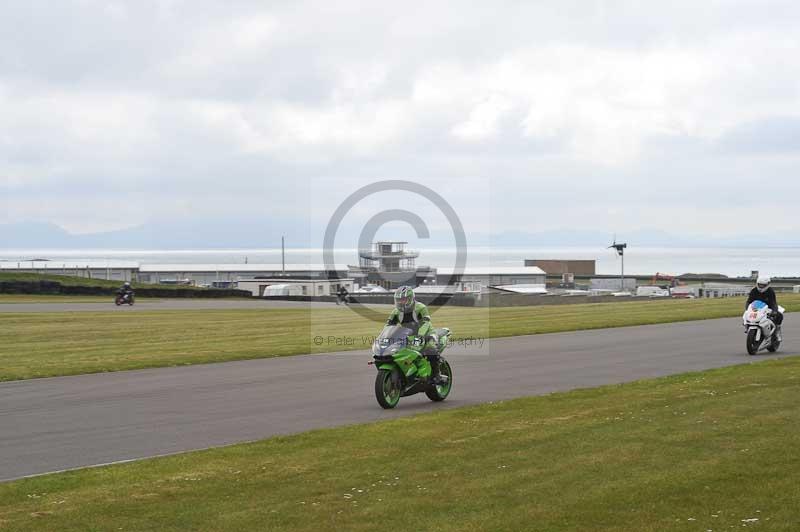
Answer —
215 274
613 284
714 290
492 276
560 267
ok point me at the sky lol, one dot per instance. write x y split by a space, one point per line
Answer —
681 117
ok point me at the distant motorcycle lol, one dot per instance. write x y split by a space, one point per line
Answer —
342 299
762 333
122 299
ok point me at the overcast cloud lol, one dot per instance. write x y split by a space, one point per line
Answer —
528 116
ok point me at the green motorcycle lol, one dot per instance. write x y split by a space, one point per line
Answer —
403 370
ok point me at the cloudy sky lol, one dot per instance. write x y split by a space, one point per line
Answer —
528 116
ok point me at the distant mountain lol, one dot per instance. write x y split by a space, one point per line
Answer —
183 234
642 238
266 233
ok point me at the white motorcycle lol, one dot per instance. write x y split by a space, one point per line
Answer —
762 333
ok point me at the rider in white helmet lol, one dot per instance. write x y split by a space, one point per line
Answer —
763 292
126 289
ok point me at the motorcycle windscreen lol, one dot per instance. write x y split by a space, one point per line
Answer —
394 333
757 305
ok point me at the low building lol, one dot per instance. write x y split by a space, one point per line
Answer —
492 276
613 284
283 286
458 288
714 290
522 288
211 274
562 266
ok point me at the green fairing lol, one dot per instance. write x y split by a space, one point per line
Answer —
405 359
410 362
423 367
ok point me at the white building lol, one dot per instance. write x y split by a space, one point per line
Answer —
522 288
208 274
294 287
493 276
714 290
614 284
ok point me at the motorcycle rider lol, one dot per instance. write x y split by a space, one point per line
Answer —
126 290
409 313
764 292
342 294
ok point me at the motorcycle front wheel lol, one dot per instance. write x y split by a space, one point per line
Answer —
752 343
388 387
440 393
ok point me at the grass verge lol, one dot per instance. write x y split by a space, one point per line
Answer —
68 280
38 298
694 452
49 344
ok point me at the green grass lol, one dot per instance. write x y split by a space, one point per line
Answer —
696 452
39 298
68 280
48 344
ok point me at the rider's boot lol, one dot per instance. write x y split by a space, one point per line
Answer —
437 379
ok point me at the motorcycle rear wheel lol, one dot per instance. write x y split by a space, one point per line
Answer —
388 388
774 345
440 393
752 343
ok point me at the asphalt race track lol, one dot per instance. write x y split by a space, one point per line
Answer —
68 422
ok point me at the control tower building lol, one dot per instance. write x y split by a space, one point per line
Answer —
391 264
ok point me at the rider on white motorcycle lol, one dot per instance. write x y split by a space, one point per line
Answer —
764 292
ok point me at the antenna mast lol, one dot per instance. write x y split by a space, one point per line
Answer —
621 252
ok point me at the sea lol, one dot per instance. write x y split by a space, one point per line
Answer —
733 262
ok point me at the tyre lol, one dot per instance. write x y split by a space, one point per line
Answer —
388 387
440 393
774 346
118 301
752 343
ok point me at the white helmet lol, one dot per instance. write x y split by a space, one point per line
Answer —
763 283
